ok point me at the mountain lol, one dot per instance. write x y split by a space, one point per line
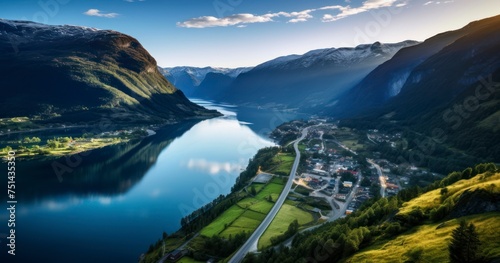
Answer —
188 79
213 85
78 75
455 92
428 60
311 79
414 226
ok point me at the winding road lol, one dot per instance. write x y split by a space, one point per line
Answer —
381 177
251 244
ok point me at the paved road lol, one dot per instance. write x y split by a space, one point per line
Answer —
381 177
251 243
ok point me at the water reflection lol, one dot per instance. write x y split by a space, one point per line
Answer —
111 170
121 198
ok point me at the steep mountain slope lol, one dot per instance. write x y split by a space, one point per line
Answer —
188 79
311 79
453 96
414 226
77 74
401 72
213 85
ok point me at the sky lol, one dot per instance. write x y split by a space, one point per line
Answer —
238 33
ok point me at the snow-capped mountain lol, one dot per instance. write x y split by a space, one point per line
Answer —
328 56
311 79
188 78
428 75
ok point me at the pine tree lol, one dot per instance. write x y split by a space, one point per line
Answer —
464 243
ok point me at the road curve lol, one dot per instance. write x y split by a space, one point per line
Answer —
254 238
381 177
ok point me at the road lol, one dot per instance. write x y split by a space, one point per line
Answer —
251 244
381 177
367 136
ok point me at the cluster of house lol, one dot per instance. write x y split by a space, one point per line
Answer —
314 182
378 137
345 189
362 194
398 177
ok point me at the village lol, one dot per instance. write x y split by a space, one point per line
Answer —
334 169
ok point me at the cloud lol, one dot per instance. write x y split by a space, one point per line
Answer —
98 13
346 11
214 167
104 200
211 21
241 20
301 16
439 2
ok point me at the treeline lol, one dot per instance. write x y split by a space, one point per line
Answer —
287 132
261 159
217 247
206 214
374 220
292 230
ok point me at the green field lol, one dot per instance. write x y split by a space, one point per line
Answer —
247 214
353 144
188 260
433 241
220 223
247 202
247 222
280 224
257 187
282 164
263 206
272 189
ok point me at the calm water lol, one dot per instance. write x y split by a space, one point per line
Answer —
118 200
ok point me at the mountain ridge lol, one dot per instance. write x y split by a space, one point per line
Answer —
325 72
188 78
81 74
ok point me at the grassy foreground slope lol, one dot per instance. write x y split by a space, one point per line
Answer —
431 241
414 226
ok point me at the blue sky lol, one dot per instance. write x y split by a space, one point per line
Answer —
233 33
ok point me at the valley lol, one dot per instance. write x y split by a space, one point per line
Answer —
251 132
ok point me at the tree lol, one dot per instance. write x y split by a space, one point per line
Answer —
366 182
7 149
252 190
464 243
